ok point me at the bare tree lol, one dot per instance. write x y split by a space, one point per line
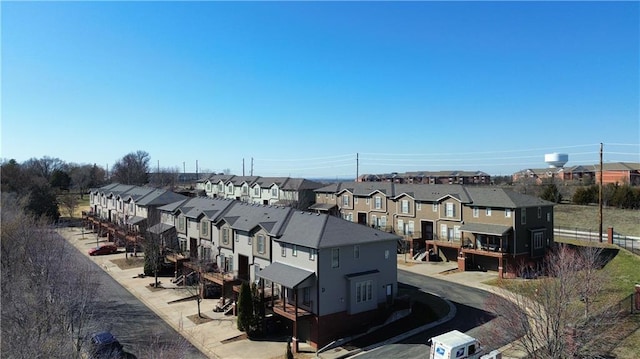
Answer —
47 301
133 168
69 201
551 315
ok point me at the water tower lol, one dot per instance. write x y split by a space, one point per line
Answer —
555 160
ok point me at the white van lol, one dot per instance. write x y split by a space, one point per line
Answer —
454 345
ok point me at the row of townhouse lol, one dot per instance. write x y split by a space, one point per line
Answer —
123 212
286 191
330 277
430 177
485 227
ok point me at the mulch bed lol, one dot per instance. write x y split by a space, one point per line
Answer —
153 288
235 339
199 319
128 263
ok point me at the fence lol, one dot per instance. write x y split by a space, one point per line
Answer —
629 243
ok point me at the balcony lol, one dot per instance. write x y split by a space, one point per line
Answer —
288 310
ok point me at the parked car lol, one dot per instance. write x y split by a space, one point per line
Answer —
104 345
103 249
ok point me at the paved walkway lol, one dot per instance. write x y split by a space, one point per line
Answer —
219 338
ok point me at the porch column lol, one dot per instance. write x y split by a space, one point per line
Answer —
500 269
295 348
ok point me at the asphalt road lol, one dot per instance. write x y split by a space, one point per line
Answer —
471 318
137 327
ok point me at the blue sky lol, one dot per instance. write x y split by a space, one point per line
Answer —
302 87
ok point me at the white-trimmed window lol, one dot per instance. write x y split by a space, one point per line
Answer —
378 202
181 223
225 235
548 216
488 212
401 226
256 191
220 187
411 228
274 192
183 245
345 200
294 250
538 239
418 206
335 257
364 291
356 251
245 189
507 212
443 232
523 216
236 236
383 221
456 233
476 212
405 206
435 207
261 247
312 254
283 249
208 186
450 210
374 220
230 188
539 212
249 238
355 200
204 229
366 201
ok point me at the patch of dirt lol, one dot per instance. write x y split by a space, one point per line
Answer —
199 319
234 339
128 263
153 288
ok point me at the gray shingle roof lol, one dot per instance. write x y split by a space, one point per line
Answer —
159 197
288 276
212 208
323 231
502 198
491 229
249 216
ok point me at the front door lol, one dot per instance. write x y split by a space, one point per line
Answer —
362 218
243 267
193 248
426 230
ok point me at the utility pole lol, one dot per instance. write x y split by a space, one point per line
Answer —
196 169
252 166
357 166
243 167
600 193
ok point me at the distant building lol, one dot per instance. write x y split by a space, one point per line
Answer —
615 172
430 177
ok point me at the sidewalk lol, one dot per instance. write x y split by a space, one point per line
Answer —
220 338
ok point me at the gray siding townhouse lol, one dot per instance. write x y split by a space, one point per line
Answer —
283 191
124 212
332 276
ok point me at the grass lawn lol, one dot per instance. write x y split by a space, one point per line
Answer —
624 221
623 273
